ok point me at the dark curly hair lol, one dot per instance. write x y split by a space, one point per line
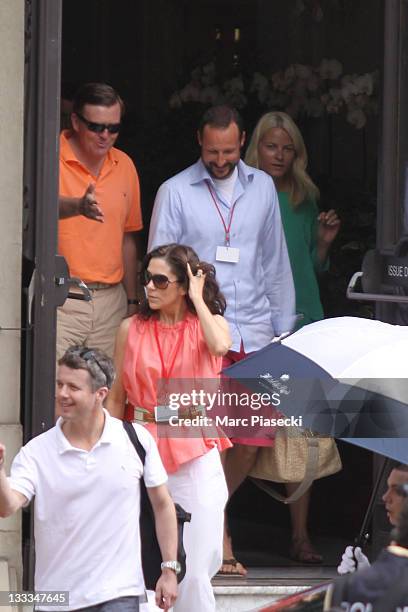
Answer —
177 256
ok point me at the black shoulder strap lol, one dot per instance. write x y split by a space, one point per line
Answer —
130 430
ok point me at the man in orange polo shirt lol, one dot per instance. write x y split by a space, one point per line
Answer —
99 210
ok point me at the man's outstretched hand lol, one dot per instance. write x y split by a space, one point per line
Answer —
89 207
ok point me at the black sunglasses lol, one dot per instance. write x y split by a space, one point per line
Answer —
89 355
98 128
160 281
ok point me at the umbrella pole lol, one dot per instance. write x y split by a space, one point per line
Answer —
363 535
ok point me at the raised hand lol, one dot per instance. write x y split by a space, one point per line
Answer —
196 284
89 207
329 225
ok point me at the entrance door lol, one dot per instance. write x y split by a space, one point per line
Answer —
392 211
41 118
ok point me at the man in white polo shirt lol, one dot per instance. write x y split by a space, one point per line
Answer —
84 474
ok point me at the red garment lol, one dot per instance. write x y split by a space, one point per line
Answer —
142 374
228 360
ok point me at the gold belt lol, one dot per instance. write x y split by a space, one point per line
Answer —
144 416
100 285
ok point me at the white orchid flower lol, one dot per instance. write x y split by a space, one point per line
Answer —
196 73
313 82
302 71
209 69
330 69
175 100
190 93
289 73
335 69
259 82
357 118
236 84
365 84
209 95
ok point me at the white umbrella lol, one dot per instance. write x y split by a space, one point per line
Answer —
364 353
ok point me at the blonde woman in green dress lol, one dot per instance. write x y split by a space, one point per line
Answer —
277 147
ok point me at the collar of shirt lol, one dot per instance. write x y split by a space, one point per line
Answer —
106 438
400 551
200 173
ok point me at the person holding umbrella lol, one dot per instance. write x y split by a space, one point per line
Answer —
277 147
383 586
353 558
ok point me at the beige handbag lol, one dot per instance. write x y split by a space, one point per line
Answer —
297 456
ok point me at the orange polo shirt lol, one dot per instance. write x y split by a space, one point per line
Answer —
93 250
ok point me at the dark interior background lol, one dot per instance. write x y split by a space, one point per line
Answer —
147 49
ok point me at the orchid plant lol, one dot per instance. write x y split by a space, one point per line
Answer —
300 90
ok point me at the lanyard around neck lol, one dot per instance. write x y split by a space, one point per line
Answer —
166 373
227 228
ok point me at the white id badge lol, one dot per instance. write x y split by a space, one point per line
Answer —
226 253
162 414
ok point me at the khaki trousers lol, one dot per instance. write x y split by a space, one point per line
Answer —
93 323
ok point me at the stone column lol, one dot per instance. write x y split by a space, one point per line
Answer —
11 191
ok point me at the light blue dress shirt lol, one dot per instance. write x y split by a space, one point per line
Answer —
259 288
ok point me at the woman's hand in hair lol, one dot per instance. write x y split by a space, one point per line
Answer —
215 327
196 284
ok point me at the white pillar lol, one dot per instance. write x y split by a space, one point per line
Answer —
11 193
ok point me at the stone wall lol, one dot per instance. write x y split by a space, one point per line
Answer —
11 192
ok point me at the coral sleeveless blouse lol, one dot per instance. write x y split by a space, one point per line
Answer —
142 372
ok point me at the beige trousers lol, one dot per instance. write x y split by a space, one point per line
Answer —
93 323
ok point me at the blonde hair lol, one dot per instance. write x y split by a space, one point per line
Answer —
301 185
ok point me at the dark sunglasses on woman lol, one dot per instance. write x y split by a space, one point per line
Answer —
160 281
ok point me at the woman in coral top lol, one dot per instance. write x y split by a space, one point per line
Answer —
180 333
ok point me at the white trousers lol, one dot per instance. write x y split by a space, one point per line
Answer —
199 486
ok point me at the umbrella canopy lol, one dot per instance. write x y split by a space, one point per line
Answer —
356 389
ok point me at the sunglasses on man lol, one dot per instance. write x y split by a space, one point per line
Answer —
89 355
160 281
98 128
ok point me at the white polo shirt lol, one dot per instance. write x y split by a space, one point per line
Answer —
86 511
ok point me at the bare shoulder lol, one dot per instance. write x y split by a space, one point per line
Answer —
125 326
121 338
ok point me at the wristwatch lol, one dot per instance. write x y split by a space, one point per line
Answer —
173 565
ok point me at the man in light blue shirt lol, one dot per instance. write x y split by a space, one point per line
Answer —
229 213
221 202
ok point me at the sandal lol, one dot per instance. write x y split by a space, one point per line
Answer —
302 551
235 568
